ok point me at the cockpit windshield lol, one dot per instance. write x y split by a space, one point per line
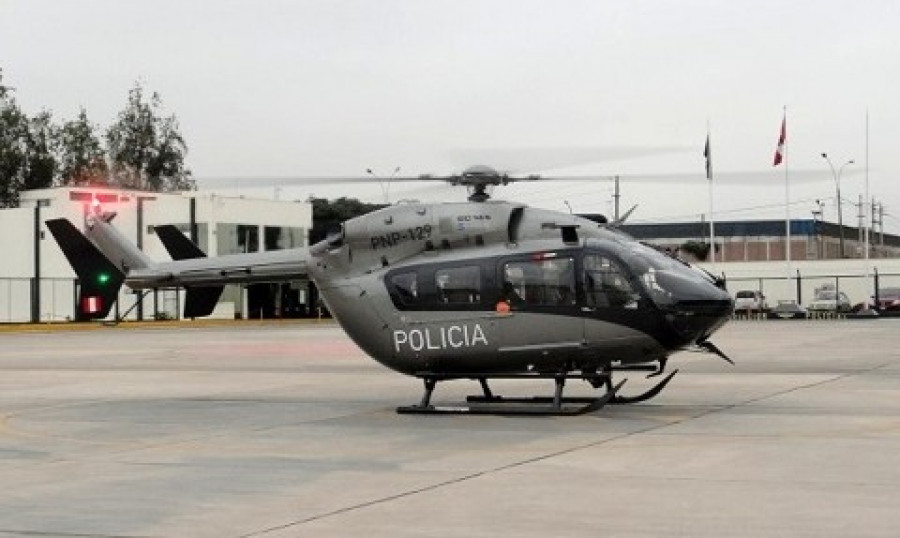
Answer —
667 280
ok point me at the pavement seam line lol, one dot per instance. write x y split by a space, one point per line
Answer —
543 457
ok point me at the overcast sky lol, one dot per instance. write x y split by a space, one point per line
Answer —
308 88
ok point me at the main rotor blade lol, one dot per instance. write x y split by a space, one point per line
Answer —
244 182
748 177
526 160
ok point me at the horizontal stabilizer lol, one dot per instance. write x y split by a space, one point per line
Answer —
178 246
200 301
99 278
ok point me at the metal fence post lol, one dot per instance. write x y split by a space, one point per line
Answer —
877 286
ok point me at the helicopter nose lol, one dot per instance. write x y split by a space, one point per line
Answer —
694 319
694 307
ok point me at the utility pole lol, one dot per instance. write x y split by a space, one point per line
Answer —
819 217
616 197
861 219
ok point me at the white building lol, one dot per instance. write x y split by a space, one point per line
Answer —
37 283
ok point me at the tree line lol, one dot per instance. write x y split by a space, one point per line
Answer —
143 149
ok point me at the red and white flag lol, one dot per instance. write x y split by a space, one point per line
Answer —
779 150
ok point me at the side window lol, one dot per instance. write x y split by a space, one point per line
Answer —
404 286
547 282
458 285
606 285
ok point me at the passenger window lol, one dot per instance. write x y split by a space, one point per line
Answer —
548 282
606 285
405 288
459 285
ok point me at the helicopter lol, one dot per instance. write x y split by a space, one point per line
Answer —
477 290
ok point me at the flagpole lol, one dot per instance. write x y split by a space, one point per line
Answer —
867 211
787 203
712 220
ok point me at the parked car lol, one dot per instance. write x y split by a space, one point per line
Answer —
829 300
787 310
888 301
750 301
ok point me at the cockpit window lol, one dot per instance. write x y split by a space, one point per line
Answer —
666 279
544 282
606 284
405 287
459 285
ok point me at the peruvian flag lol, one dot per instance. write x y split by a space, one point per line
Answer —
779 150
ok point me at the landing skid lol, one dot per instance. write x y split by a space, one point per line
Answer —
645 395
489 404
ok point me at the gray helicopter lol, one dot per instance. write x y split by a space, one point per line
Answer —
476 290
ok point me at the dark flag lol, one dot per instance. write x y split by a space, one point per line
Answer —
707 153
779 149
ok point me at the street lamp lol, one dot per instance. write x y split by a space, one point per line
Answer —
836 174
384 189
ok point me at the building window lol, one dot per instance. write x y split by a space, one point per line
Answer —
236 239
248 238
282 237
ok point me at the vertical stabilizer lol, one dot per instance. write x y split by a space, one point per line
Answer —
119 250
200 300
98 277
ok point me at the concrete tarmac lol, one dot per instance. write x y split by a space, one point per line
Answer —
288 430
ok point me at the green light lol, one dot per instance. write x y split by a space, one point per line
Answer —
102 278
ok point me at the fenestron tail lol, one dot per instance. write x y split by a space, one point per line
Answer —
100 279
200 300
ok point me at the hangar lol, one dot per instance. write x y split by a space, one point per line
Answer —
38 285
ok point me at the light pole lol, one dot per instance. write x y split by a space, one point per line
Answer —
384 189
836 174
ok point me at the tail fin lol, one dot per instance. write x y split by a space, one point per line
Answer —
100 279
114 245
178 246
200 301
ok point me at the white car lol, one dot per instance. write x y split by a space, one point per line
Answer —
830 301
750 301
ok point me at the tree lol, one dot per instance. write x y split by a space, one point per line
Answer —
81 158
13 131
147 150
327 215
40 152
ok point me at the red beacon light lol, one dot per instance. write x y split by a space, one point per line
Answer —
92 304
